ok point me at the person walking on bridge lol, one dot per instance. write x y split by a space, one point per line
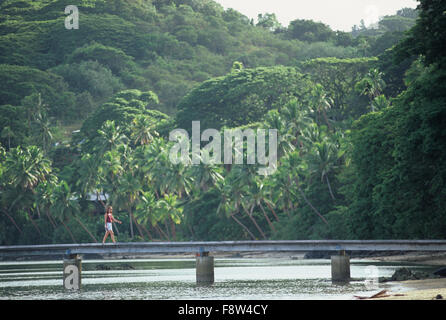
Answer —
109 219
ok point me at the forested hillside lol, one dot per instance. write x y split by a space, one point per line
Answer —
86 113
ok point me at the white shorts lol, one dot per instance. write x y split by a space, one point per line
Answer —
109 226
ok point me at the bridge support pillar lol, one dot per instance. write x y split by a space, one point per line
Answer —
72 272
204 268
340 267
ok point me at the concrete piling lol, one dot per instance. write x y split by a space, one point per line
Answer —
72 272
340 267
204 269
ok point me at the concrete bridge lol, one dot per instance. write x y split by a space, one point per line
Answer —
340 262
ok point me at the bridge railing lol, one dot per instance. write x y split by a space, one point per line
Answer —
340 262
223 246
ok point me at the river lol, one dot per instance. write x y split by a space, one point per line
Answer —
167 279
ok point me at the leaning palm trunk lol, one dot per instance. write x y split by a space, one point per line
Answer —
311 206
131 223
12 220
147 232
50 218
167 229
138 227
329 187
267 219
69 231
173 229
243 226
254 221
33 223
38 211
161 232
272 210
98 198
85 228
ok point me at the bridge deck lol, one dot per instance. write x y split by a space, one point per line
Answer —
141 248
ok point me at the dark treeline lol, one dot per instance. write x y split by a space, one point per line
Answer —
85 117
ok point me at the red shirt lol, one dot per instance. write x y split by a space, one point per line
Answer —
109 217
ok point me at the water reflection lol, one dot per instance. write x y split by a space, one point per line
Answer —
153 279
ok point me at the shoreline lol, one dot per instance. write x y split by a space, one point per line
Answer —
426 289
424 258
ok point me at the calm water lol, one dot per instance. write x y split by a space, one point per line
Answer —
153 279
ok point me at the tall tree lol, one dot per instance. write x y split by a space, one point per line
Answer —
110 137
8 134
142 130
127 193
320 103
372 85
66 205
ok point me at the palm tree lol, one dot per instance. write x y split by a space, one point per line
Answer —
8 195
169 209
149 209
153 163
297 120
7 133
322 160
33 104
111 166
44 131
25 169
66 206
110 136
274 120
312 134
206 175
379 103
257 196
320 102
372 84
145 212
240 179
142 130
89 174
38 120
178 179
127 193
230 204
269 195
295 167
12 220
44 198
249 209
279 185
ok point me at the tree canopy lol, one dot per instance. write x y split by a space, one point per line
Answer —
86 117
242 97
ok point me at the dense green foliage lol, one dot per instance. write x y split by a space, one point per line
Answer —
242 97
359 116
164 46
399 153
